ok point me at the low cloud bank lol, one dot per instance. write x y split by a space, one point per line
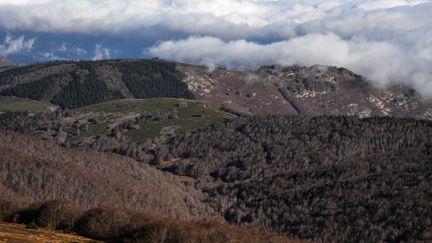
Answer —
382 62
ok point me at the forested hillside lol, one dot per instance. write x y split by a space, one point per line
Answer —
36 170
321 178
103 196
127 127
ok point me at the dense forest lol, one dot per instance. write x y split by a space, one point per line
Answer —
321 178
77 84
34 90
149 79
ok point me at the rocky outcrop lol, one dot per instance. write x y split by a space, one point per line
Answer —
316 90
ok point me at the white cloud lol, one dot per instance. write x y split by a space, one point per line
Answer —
67 52
65 48
12 45
62 48
79 51
385 4
50 56
101 52
224 18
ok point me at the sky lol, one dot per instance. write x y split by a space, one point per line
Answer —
387 41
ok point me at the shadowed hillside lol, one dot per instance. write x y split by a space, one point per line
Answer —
76 84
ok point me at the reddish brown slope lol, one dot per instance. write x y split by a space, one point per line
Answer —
42 171
247 91
316 90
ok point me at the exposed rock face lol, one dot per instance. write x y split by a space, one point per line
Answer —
113 80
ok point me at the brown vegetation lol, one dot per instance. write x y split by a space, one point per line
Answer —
321 178
38 170
115 225
17 233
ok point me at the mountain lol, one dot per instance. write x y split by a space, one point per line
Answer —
316 90
313 153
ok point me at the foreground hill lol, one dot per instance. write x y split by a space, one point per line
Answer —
116 225
316 90
322 178
35 170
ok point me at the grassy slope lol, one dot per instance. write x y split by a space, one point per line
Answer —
19 233
20 104
195 114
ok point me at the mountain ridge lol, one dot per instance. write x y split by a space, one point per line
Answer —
274 89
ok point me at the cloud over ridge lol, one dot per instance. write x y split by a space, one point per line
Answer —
382 62
14 45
